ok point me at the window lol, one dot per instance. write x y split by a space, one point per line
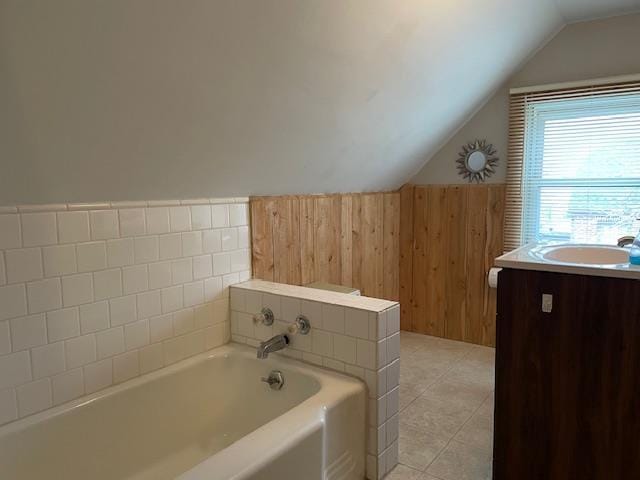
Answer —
574 165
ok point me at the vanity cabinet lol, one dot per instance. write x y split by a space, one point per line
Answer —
567 381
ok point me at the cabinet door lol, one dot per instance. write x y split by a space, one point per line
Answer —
567 381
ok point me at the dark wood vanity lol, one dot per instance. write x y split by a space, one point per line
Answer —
568 381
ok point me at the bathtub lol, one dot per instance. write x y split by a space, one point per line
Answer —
209 417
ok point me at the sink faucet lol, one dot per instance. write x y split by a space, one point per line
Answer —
624 241
272 345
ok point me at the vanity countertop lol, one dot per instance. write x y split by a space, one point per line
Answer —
555 257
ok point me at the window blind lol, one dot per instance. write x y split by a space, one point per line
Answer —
573 169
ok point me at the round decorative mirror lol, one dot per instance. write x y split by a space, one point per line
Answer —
477 161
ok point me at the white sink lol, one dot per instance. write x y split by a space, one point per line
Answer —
578 259
585 254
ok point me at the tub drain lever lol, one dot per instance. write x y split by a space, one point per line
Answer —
275 380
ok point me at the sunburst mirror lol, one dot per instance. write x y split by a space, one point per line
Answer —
477 161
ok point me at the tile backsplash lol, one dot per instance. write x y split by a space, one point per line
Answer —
351 334
96 294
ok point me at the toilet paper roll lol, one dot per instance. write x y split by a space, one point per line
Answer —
493 277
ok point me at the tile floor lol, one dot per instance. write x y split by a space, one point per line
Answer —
446 410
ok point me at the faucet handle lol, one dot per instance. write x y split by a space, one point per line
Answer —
265 317
301 326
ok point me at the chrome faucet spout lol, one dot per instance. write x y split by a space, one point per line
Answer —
625 241
272 345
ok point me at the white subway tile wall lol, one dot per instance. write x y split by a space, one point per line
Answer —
353 335
92 295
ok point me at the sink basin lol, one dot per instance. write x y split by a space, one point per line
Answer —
586 254
572 258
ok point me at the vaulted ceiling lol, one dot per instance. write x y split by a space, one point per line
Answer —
581 10
163 99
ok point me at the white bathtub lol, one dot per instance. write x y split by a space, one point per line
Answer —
209 417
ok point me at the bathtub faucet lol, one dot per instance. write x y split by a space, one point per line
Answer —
272 345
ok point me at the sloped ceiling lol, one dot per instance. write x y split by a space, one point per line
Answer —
580 10
161 99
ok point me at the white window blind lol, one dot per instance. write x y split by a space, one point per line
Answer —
575 171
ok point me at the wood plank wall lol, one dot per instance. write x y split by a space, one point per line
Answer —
431 247
449 238
347 239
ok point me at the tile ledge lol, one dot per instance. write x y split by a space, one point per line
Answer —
114 205
313 294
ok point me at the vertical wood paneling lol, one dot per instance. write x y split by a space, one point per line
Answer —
456 233
262 238
495 247
455 282
343 239
307 243
429 246
346 241
420 261
407 193
391 248
327 224
435 316
371 232
356 241
476 248
286 244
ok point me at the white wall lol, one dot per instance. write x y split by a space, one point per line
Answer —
127 100
98 294
600 48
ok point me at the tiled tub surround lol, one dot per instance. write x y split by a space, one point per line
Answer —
92 295
355 335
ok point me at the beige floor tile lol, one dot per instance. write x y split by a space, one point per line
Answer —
408 393
441 419
402 472
479 352
430 362
466 395
410 342
446 391
419 448
486 408
445 349
461 462
473 372
422 340
417 376
478 432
